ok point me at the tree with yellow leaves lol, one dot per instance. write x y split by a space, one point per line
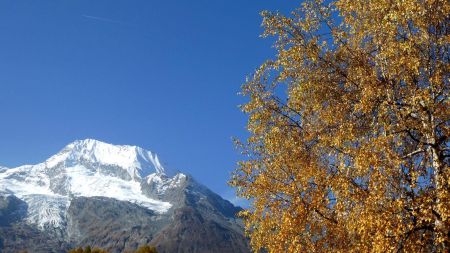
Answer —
349 145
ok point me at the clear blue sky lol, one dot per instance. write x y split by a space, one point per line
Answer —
163 75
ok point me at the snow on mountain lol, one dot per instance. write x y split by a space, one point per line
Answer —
137 161
87 168
88 184
162 183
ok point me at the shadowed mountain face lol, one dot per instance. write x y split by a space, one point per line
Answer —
113 197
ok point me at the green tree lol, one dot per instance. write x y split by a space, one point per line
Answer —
77 250
98 250
146 249
87 249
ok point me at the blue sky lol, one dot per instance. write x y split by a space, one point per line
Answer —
163 75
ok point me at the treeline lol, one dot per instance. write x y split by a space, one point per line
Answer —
87 249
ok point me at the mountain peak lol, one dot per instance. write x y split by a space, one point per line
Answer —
92 191
136 160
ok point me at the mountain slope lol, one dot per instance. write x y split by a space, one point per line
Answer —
115 197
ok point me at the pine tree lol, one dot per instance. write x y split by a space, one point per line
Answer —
98 250
146 249
87 249
77 250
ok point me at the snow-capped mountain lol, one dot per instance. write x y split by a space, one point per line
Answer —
86 168
53 192
136 161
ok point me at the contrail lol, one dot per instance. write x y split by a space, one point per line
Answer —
103 19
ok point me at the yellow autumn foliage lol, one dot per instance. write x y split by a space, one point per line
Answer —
349 130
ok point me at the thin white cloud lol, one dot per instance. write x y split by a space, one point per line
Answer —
102 19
